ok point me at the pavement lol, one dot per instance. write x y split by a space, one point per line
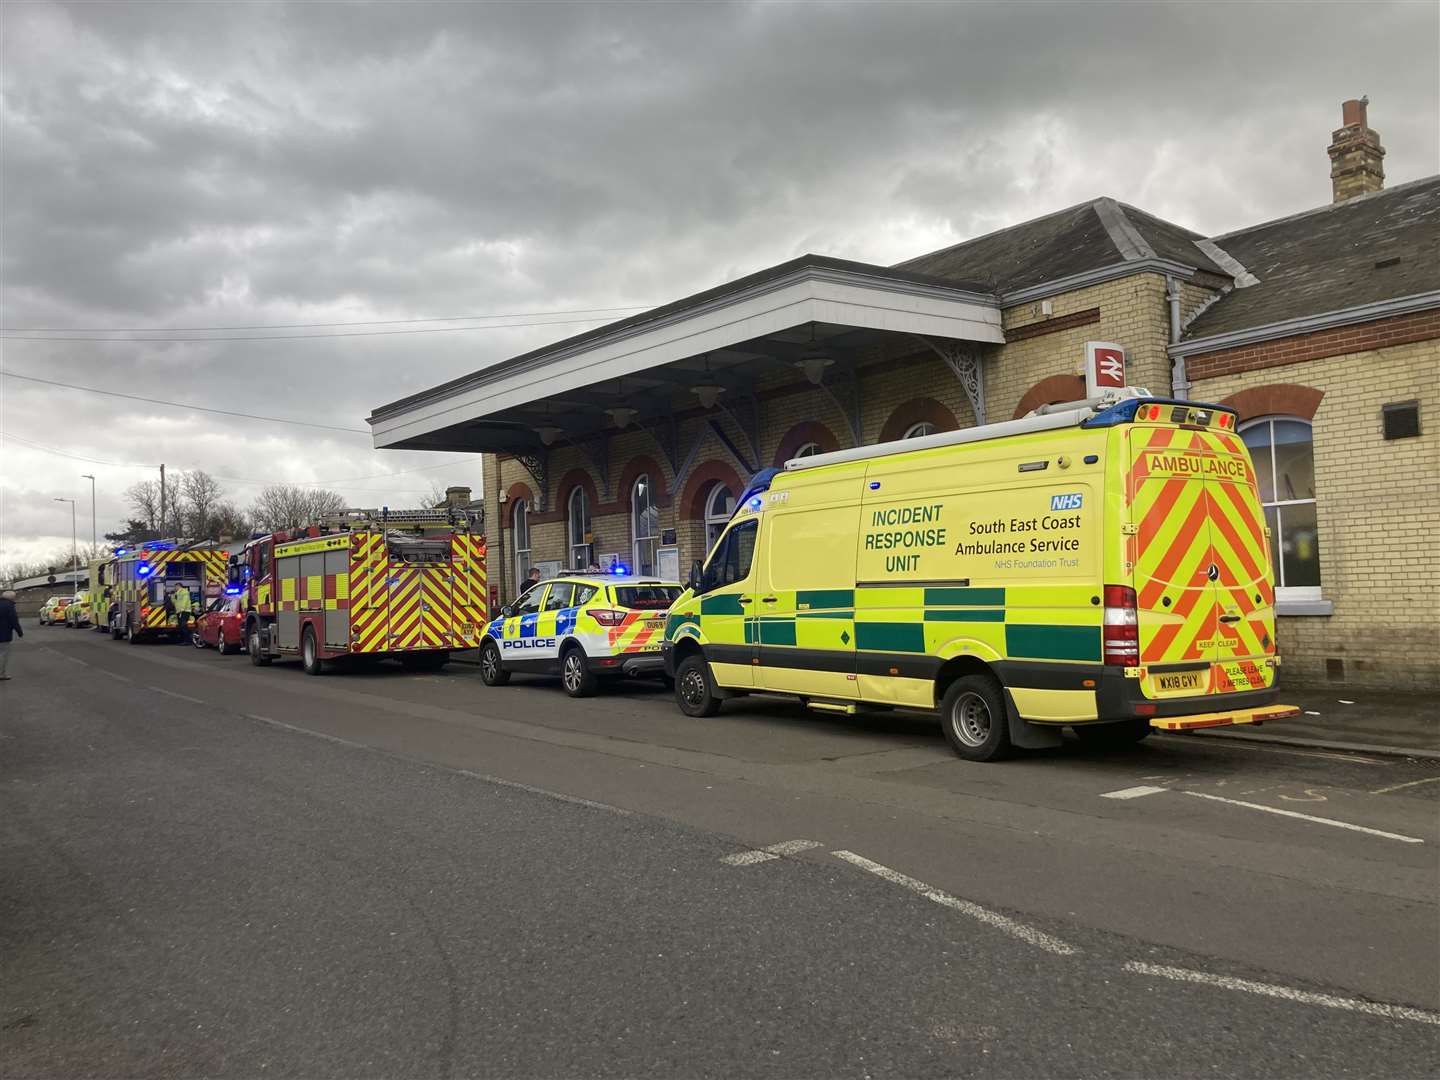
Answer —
1340 717
213 868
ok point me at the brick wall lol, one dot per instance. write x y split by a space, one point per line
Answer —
1378 511
1338 341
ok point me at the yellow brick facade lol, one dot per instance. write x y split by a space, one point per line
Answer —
1378 510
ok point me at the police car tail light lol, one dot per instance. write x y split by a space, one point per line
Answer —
1121 632
608 616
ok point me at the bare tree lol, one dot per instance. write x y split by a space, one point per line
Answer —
287 506
200 496
145 502
434 497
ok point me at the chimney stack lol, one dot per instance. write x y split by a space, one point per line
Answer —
457 496
1355 154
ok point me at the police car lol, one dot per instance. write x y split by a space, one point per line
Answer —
582 627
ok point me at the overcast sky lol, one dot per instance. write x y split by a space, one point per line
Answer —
232 164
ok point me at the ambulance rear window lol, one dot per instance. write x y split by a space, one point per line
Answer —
644 597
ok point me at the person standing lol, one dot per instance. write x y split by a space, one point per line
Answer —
9 629
183 608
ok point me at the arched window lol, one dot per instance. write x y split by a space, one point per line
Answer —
914 431
579 529
719 505
810 449
1283 448
644 524
520 541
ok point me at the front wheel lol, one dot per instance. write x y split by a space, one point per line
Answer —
492 670
310 654
575 673
973 715
196 639
694 692
1113 736
131 635
256 646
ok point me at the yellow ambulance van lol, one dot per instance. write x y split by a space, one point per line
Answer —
1103 565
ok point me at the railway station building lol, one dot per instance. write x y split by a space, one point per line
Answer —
630 443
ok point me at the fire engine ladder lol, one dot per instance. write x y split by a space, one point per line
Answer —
355 519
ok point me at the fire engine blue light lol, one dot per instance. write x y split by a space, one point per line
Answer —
144 569
121 551
232 591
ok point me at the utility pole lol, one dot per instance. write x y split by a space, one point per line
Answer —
74 550
93 541
162 500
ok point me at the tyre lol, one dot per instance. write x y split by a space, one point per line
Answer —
1114 736
694 690
575 674
492 669
310 653
196 639
115 632
223 647
131 635
973 716
252 638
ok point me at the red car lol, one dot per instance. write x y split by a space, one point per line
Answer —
221 626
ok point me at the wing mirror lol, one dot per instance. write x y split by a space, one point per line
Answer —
696 572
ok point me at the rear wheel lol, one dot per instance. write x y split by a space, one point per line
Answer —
694 692
131 635
310 653
1113 736
575 673
973 715
492 670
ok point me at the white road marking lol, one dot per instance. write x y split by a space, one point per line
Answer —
1133 792
765 854
112 675
1286 993
1309 817
1004 923
496 780
182 697
1408 783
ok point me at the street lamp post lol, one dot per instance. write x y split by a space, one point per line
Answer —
93 541
74 550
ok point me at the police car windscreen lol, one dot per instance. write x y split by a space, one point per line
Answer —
646 597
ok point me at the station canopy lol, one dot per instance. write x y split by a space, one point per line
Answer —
809 318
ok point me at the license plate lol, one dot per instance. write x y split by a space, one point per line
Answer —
1179 681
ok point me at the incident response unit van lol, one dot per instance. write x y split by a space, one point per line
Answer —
146 577
1103 565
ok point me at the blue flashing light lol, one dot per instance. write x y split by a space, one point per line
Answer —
233 590
755 503
144 569
121 551
1123 413
620 569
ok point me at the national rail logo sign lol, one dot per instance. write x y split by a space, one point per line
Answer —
1104 367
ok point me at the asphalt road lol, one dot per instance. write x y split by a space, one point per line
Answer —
214 869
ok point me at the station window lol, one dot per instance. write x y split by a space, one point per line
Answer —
810 449
1284 452
644 524
915 431
579 529
520 540
719 505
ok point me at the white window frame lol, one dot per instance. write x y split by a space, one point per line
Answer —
520 528
716 520
581 550
920 430
809 449
1301 599
638 540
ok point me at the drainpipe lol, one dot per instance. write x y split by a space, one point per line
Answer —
1179 381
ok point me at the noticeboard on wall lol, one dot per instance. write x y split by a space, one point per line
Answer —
667 563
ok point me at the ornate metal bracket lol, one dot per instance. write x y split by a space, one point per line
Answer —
597 451
538 466
963 358
746 417
729 444
843 389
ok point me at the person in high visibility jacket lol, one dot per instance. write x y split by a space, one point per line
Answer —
180 598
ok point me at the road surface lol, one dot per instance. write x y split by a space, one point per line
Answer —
210 868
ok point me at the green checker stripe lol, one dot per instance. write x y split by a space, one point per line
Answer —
942 597
676 623
845 613
722 605
1052 642
824 598
960 615
778 631
890 637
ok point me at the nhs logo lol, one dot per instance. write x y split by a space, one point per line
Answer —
1066 502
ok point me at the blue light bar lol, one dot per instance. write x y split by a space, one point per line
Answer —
233 590
144 569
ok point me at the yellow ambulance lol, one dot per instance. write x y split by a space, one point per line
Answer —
1103 565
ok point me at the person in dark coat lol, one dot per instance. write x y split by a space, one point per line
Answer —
9 629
